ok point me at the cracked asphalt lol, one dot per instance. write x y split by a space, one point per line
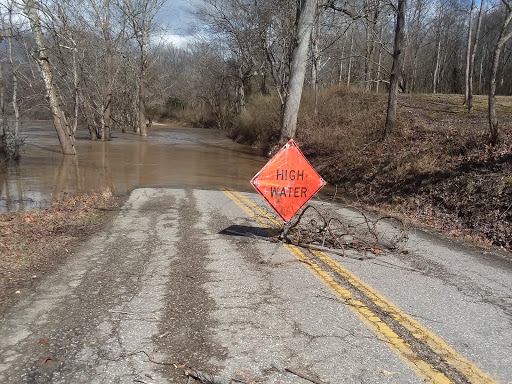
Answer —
168 284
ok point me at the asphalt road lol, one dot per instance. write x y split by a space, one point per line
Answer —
188 278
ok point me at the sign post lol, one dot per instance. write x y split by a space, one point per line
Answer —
288 181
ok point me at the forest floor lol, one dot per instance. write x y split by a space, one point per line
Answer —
33 243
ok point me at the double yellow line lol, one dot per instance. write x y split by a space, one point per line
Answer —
441 364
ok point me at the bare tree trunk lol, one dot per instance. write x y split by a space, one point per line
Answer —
88 114
107 104
60 121
349 68
3 134
106 107
468 52
481 75
504 37
305 19
473 54
76 90
379 62
315 56
371 33
368 59
396 67
340 77
142 101
140 14
15 104
134 118
437 66
240 91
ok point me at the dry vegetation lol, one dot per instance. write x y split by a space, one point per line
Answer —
33 242
437 168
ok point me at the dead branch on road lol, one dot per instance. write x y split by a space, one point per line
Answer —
326 231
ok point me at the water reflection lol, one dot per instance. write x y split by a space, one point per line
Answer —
176 157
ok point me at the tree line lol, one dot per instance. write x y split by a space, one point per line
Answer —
100 64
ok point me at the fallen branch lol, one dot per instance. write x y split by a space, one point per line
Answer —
335 233
301 245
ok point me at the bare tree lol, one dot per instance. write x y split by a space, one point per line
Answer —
372 13
16 140
103 16
60 119
505 35
468 51
3 133
472 59
306 10
396 67
315 55
140 15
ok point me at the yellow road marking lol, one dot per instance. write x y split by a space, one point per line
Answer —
264 213
439 346
377 325
261 221
372 321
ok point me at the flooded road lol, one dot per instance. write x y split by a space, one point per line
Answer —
169 156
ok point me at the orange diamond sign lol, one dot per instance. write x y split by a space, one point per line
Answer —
288 181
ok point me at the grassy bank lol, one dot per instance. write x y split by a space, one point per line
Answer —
436 168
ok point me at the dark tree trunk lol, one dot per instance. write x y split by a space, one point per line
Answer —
396 68
472 61
504 37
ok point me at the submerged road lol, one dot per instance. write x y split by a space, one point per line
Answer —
173 284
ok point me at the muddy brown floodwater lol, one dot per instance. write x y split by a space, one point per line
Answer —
170 156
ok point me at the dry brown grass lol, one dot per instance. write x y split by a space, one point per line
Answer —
437 166
259 124
32 242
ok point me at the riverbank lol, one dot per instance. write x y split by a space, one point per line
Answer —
33 242
436 169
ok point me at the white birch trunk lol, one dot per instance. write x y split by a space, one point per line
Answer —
349 68
306 18
60 120
436 68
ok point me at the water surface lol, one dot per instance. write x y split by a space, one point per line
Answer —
169 156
